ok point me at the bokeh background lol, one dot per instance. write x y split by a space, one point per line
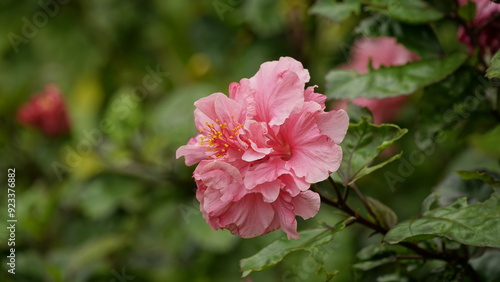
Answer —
111 203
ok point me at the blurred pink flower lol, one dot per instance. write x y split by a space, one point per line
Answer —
261 148
486 24
381 51
46 111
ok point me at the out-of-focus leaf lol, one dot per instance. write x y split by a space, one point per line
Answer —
415 11
467 11
336 11
309 241
487 143
385 215
483 176
215 241
95 250
390 81
493 70
476 225
420 39
362 144
371 264
487 265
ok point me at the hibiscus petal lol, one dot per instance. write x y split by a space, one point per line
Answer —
333 124
269 190
316 160
193 152
248 217
283 209
306 204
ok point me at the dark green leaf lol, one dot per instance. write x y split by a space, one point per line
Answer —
493 70
336 11
390 81
476 225
385 215
309 241
415 11
362 144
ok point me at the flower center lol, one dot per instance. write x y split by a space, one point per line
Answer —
220 137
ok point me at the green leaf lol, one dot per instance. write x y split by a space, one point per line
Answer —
390 81
483 176
467 11
415 11
336 11
383 214
362 144
476 225
309 241
493 70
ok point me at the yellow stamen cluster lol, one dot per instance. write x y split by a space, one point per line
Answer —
218 138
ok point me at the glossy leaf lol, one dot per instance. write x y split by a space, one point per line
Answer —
383 214
390 81
309 241
336 11
415 11
476 225
362 144
493 70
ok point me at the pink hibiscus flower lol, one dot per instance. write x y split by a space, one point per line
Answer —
261 148
486 24
382 51
46 111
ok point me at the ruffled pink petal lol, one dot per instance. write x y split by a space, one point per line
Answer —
248 217
333 124
284 214
294 184
279 89
193 152
315 160
306 204
269 190
264 172
311 96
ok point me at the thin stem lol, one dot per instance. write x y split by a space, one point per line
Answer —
340 200
363 200
424 253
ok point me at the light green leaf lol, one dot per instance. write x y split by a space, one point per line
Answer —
385 215
390 81
415 11
336 11
476 225
493 70
362 144
483 176
309 241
